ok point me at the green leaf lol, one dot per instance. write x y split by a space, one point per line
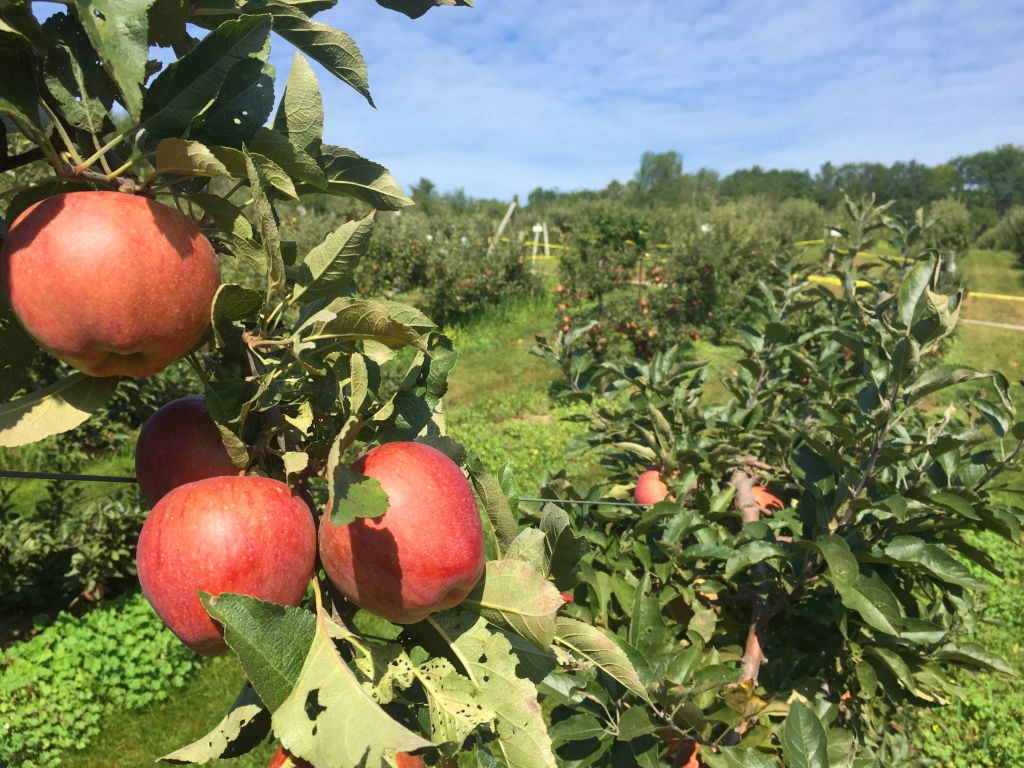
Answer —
973 655
167 19
292 158
187 87
243 105
874 601
496 507
590 643
188 158
940 377
329 47
738 757
328 268
491 665
330 719
842 565
18 95
564 550
512 595
271 641
416 8
85 94
749 554
804 741
233 302
56 408
895 664
348 318
352 495
17 350
354 176
266 224
453 702
932 558
119 31
243 729
300 115
912 296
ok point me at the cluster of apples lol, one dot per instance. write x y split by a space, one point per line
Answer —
117 284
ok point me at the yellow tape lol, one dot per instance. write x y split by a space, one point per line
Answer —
835 281
1001 296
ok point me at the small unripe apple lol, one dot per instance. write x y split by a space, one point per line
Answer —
425 553
179 444
112 284
650 488
248 535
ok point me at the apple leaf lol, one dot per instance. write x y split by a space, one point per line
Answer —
385 667
804 741
354 176
271 641
512 595
266 224
233 302
416 8
243 106
563 550
188 87
330 719
300 115
85 94
288 155
188 158
16 351
592 644
119 31
453 702
241 730
56 408
237 450
18 95
348 318
490 664
327 46
352 495
495 505
327 269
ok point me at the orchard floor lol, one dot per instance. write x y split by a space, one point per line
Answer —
499 405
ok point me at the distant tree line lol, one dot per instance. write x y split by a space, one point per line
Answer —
988 183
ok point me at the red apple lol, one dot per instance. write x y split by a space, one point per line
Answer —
284 759
425 553
650 488
179 444
111 283
249 535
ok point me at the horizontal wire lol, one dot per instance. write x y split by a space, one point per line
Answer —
322 488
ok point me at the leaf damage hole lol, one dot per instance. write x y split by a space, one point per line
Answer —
313 707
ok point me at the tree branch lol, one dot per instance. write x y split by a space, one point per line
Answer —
23 158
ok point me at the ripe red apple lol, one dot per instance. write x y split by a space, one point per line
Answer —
249 535
111 283
179 444
284 759
425 553
650 488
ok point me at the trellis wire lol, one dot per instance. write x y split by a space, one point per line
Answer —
322 488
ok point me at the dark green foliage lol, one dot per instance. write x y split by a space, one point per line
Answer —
856 588
58 689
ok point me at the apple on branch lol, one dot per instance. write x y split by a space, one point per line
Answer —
248 535
179 444
111 283
425 553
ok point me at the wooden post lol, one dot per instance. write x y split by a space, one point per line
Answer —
504 223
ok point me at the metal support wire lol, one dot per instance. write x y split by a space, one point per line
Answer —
128 479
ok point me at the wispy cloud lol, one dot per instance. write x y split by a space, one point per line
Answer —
516 94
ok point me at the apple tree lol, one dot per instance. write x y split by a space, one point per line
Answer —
145 132
811 572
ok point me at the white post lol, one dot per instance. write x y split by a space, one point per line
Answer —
504 223
547 246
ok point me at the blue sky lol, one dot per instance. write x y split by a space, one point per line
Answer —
567 94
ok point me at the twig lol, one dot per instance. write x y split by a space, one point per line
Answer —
23 158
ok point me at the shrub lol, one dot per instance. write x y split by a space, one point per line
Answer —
57 688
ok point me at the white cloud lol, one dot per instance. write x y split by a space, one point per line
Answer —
516 94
